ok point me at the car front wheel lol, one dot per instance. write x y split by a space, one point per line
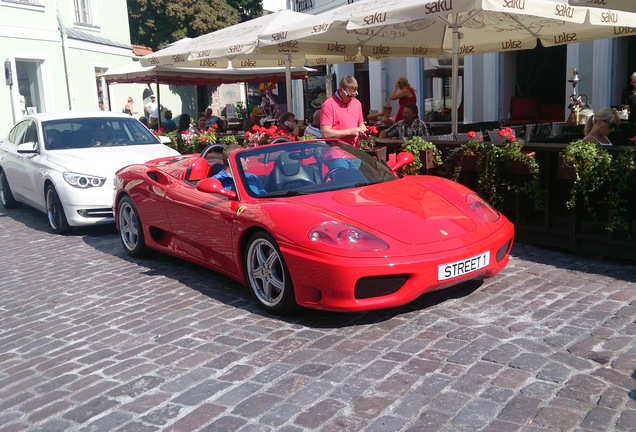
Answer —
130 229
268 276
6 197
55 211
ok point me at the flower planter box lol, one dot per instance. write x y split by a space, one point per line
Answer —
564 171
427 157
517 167
378 152
467 162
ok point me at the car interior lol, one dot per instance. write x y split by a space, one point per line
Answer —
297 167
86 133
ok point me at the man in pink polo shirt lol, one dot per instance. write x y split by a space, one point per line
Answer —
341 115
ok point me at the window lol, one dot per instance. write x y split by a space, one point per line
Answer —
29 79
83 12
100 84
36 5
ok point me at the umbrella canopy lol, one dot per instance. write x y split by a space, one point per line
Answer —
136 73
612 5
239 44
425 28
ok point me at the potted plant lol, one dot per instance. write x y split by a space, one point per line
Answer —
622 186
590 165
494 164
427 155
260 135
228 139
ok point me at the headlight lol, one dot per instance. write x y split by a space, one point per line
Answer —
83 181
481 208
344 236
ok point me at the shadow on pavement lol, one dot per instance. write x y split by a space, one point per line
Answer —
223 289
568 261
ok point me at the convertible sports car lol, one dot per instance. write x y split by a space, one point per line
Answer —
318 224
64 163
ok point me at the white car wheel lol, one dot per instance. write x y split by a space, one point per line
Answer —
55 211
6 197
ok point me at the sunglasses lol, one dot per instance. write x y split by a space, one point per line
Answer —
612 125
387 107
352 95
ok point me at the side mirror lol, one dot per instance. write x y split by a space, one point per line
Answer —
402 159
212 185
27 147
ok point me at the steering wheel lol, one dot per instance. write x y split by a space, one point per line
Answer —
216 148
279 140
329 176
300 155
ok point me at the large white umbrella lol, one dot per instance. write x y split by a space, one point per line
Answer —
608 5
425 28
136 73
238 44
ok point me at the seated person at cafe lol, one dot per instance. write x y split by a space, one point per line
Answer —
226 179
254 119
314 127
383 118
199 127
212 121
168 124
599 125
287 123
408 127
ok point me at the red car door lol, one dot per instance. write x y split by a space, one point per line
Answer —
205 224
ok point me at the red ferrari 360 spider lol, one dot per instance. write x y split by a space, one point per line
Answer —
318 224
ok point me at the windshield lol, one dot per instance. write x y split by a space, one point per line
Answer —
307 167
80 133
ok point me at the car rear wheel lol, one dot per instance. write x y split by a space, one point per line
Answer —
6 197
55 211
130 229
267 274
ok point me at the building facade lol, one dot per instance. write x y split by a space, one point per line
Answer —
488 81
54 52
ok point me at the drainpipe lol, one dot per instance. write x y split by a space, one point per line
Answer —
67 69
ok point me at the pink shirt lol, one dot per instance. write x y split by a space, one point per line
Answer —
340 116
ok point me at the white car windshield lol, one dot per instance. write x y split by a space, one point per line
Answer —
94 132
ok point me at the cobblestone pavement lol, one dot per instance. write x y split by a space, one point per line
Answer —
91 340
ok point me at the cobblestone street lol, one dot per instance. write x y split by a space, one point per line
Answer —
92 340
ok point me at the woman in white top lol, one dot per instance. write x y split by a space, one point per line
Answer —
599 125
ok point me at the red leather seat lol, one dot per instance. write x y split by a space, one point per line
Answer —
199 170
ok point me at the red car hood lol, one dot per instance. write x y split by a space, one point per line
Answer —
404 210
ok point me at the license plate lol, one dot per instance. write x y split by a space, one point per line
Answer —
463 267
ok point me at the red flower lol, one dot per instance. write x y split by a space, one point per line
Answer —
471 134
256 128
634 139
372 130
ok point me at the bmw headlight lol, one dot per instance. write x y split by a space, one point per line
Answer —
344 236
83 181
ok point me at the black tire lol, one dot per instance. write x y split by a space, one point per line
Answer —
6 196
267 275
130 229
55 211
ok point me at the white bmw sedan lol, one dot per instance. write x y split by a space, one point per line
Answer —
64 163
